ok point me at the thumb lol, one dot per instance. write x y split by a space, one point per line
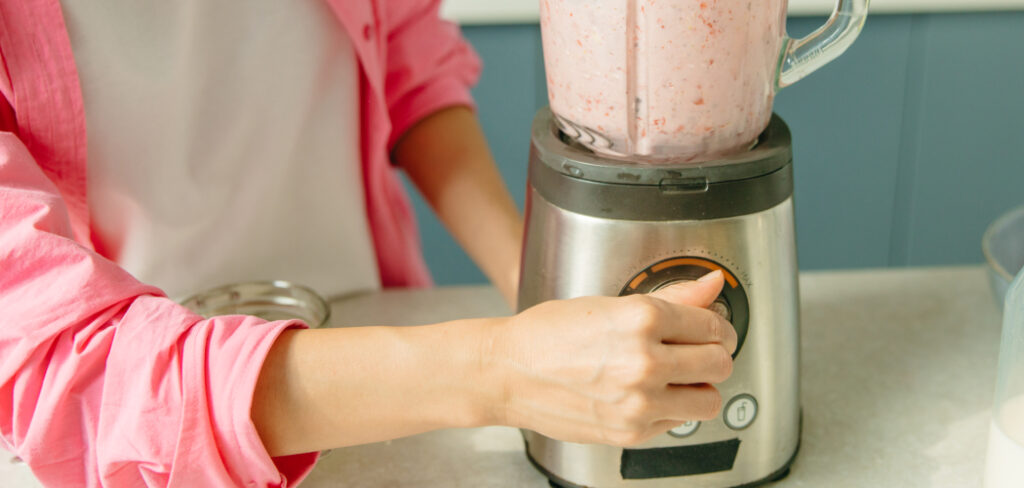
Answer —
700 293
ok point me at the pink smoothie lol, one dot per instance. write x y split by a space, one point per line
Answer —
682 79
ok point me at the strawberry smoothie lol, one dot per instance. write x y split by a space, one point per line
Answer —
684 80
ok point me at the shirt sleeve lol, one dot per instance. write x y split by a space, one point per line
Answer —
429 65
106 382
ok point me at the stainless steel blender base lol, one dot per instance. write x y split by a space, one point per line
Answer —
597 226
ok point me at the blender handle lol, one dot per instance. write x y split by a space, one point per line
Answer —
801 57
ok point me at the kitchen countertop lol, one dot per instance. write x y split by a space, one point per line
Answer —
898 371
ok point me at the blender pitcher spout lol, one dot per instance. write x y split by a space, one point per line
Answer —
801 57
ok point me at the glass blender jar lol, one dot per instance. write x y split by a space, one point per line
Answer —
686 80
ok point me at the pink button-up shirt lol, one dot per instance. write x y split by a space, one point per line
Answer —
103 380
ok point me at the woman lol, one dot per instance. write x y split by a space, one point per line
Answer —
212 128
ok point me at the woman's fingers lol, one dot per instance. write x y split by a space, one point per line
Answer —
664 410
686 303
682 403
700 293
692 402
700 326
692 364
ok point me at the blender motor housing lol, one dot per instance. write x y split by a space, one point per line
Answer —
606 226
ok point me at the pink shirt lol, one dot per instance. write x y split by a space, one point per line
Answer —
103 380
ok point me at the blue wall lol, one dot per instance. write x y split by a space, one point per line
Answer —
905 147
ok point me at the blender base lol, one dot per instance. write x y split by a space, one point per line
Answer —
556 482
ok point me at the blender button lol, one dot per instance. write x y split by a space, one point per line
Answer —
740 412
685 430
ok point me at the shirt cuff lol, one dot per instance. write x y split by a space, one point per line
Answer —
441 93
288 470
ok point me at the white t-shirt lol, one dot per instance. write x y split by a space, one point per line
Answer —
223 142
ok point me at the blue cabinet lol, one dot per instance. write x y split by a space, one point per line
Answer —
905 147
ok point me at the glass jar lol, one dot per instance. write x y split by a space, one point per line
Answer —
678 79
1005 457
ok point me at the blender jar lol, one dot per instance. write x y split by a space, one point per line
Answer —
677 79
1005 458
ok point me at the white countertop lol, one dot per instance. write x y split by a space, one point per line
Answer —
470 12
897 376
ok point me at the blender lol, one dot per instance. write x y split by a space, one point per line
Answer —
658 161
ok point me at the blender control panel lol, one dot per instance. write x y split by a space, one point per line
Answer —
708 455
731 303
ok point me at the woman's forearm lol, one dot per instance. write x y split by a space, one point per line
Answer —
447 157
329 388
610 370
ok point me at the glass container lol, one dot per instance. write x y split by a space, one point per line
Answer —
269 300
678 79
1005 458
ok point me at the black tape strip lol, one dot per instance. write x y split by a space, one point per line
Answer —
664 462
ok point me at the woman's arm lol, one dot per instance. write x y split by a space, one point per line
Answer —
447 157
105 382
610 370
435 136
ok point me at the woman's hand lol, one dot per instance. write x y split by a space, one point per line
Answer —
615 370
